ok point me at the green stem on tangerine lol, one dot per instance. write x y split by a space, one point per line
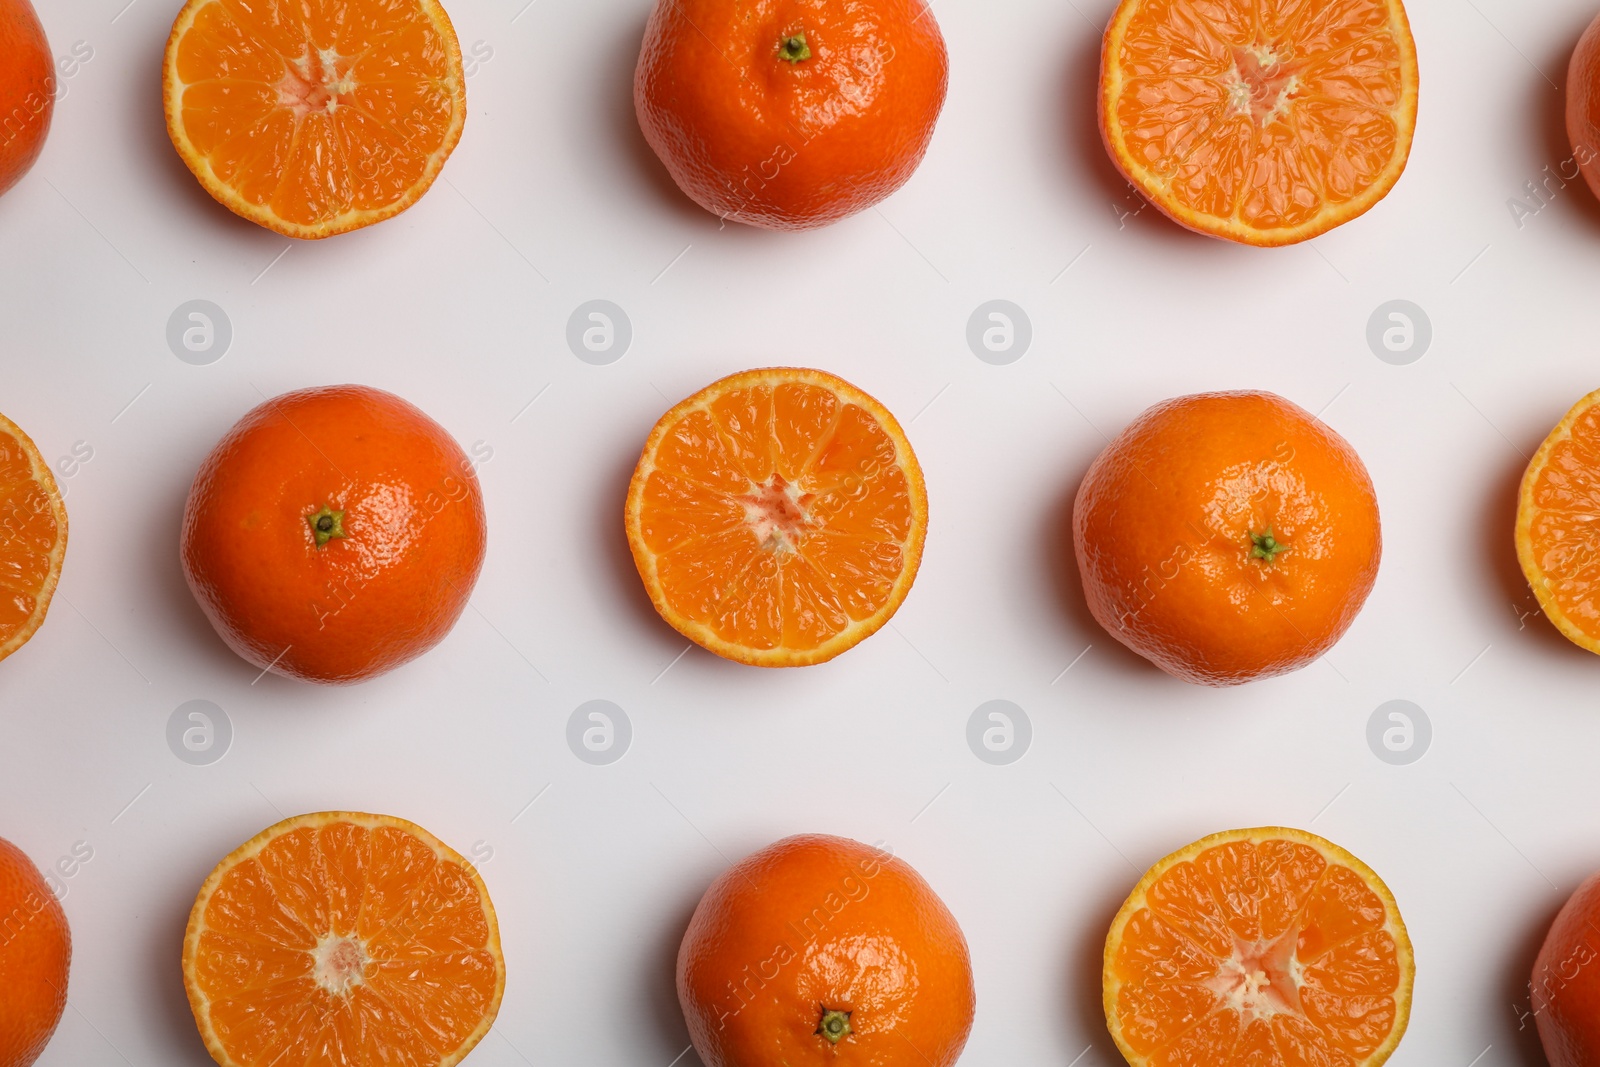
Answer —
795 49
834 1025
1265 546
326 525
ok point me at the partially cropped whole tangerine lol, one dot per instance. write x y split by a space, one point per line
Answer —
820 950
790 114
35 956
334 534
27 90
1566 982
1227 537
1583 105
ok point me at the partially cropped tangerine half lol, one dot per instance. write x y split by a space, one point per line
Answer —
1558 524
342 938
33 537
777 516
1270 947
1261 121
314 118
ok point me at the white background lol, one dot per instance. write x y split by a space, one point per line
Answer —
461 304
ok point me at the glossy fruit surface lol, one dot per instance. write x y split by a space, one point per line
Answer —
317 118
1227 536
790 114
1259 121
819 950
1566 982
35 956
777 516
334 534
342 938
27 90
1557 543
1258 948
33 537
1583 105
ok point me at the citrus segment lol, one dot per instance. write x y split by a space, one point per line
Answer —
1258 948
777 516
1558 524
1256 120
33 537
338 938
314 119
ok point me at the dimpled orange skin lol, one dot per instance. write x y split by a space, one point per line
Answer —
816 924
754 137
1583 105
1566 982
1170 522
35 955
358 605
27 90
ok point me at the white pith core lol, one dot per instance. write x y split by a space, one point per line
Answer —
1261 84
315 80
338 963
776 513
1262 978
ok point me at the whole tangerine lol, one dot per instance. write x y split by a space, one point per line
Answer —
27 90
334 534
1227 536
790 114
821 950
1566 981
35 956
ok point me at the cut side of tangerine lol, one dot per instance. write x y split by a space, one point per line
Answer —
777 516
1259 121
33 537
318 118
1558 524
1270 947
343 938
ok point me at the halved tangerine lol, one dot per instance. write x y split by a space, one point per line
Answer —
33 537
312 119
1558 524
777 516
1261 121
343 938
1270 947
